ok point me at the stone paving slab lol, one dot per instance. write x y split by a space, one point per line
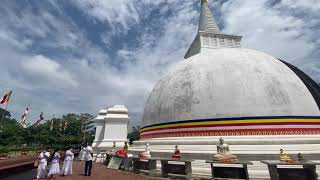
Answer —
100 172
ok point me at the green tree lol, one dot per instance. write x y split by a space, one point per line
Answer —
4 114
41 136
87 127
134 135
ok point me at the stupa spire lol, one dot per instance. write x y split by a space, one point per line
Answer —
209 35
207 22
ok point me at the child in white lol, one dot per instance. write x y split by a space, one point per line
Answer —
68 161
55 168
42 173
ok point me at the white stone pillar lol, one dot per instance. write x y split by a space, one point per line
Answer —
116 127
111 126
100 126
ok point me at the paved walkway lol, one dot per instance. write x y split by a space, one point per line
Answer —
16 165
14 161
100 172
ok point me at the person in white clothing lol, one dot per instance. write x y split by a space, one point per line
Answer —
81 153
43 157
68 161
88 159
55 168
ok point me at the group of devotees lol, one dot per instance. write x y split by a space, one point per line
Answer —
48 166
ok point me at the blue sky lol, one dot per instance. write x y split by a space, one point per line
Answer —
77 56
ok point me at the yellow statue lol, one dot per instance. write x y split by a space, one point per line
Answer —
223 153
126 147
284 156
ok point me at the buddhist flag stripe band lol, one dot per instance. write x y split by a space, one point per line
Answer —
238 124
237 128
24 118
5 98
247 132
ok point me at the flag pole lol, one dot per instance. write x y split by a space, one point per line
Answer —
51 122
5 110
3 115
84 132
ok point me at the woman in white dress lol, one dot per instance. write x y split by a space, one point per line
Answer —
68 161
43 157
55 168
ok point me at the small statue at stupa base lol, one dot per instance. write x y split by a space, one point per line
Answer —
300 157
284 156
113 149
176 154
126 147
223 153
146 153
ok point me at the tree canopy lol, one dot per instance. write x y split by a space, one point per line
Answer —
61 135
134 134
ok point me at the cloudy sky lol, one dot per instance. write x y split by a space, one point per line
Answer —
64 56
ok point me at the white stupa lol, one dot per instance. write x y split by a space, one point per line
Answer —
257 102
111 126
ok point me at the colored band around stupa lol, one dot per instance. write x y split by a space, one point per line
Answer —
263 125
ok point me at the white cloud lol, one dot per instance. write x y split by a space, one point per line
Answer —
120 12
272 29
44 69
12 39
83 77
313 5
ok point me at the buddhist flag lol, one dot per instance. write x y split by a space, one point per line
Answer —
60 126
24 118
65 125
40 119
82 128
51 125
5 98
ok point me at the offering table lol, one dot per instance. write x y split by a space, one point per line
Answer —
176 168
307 172
221 170
149 164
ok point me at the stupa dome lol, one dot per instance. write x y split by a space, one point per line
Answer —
228 82
222 89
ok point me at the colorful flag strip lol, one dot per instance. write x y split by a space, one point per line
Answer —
51 125
40 119
5 98
65 125
24 118
60 126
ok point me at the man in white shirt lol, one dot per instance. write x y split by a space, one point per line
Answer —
88 159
